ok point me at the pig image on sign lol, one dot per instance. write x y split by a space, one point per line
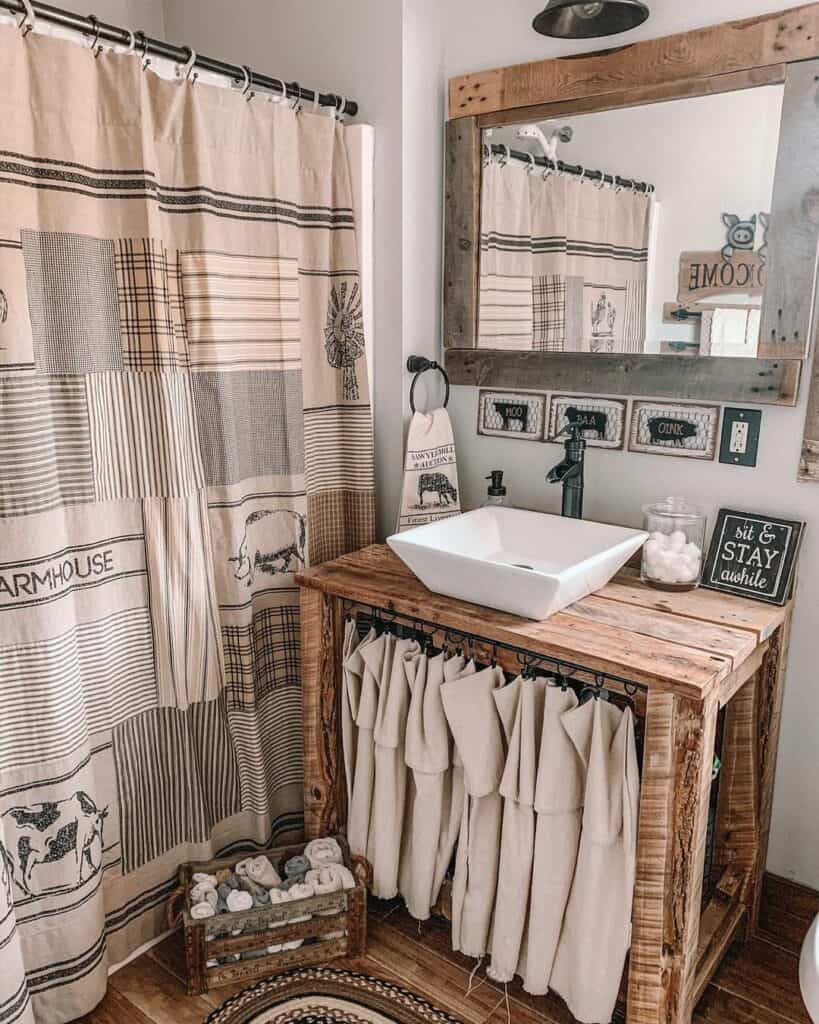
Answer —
273 543
662 428
587 420
436 483
67 831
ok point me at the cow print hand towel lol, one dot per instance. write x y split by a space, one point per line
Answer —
430 471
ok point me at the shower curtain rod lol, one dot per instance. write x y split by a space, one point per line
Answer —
103 32
542 161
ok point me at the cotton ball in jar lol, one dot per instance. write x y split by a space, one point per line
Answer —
677 540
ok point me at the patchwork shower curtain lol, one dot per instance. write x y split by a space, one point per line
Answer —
563 263
184 423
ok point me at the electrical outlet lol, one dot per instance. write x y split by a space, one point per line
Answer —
740 436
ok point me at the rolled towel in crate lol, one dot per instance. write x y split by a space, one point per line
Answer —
203 878
202 910
321 852
239 900
262 872
258 893
203 892
296 867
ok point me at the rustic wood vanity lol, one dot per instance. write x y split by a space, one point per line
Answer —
709 674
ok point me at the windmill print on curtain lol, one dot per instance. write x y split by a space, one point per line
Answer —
184 424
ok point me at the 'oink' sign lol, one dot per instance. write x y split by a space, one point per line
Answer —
753 555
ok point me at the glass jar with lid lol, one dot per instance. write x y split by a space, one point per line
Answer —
673 555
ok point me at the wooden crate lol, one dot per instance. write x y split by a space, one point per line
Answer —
211 938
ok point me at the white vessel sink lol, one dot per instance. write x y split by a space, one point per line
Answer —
527 563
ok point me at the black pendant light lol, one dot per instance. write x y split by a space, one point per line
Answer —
577 19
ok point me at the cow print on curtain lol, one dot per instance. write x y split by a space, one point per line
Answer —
184 425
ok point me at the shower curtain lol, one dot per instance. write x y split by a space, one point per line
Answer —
184 423
563 263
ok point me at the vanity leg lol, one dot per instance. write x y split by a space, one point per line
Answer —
677 765
746 787
322 637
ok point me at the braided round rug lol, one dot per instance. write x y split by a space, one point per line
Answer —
327 995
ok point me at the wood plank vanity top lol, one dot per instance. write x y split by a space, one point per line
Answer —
689 643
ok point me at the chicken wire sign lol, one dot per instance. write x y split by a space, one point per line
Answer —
511 414
689 431
602 420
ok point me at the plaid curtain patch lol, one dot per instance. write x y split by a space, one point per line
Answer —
261 656
149 303
338 522
549 313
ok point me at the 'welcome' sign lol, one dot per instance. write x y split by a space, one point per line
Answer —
753 556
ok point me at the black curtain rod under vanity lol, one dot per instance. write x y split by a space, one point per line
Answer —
559 165
99 31
527 659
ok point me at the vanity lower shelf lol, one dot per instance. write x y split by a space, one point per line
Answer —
697 663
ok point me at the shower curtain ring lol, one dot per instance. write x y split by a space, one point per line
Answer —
283 96
532 164
295 105
131 42
95 46
582 175
146 60
29 18
187 69
504 160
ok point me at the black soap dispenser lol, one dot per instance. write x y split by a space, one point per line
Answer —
496 492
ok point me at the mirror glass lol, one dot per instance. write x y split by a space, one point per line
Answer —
639 230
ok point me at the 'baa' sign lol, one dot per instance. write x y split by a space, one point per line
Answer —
753 556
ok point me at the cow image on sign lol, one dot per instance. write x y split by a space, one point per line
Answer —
511 413
706 274
753 555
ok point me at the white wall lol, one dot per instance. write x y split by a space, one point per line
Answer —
483 34
141 15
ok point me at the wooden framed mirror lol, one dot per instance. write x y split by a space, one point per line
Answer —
564 271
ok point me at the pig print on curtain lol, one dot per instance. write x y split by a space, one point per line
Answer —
184 424
563 263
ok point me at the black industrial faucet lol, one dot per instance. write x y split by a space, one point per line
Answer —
569 472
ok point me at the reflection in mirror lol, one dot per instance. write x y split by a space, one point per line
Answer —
640 230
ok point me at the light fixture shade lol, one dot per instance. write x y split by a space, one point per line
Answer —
579 19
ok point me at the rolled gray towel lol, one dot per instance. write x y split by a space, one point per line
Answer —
289 882
296 866
223 892
261 897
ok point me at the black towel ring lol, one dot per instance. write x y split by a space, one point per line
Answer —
419 365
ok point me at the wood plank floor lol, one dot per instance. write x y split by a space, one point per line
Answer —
756 984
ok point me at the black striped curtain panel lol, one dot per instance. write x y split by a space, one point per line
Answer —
184 424
563 262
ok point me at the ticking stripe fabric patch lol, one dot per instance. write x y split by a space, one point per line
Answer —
143 435
338 448
242 312
45 445
84 681
177 775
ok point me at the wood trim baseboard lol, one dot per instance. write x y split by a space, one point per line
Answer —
787 911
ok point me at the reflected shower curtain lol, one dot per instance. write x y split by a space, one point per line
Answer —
563 262
184 424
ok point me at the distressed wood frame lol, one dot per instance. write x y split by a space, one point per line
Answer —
780 47
739 649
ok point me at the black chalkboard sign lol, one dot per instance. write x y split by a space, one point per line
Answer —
753 556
